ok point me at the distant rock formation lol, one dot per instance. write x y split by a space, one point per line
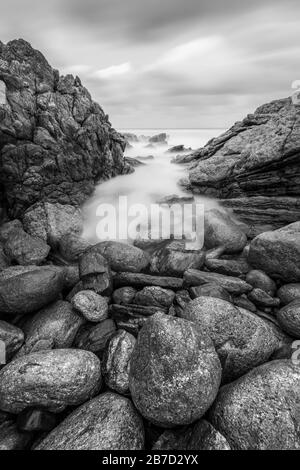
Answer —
255 166
55 142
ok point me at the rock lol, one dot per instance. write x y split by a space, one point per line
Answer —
222 230
11 438
288 293
36 420
95 272
72 246
52 379
210 290
235 268
108 422
179 149
174 260
129 137
124 295
28 289
206 437
26 250
215 253
122 257
182 298
260 411
134 162
289 318
144 280
260 298
174 372
278 253
54 327
117 360
173 439
233 285
242 340
12 337
56 142
95 338
71 276
92 306
155 296
256 158
245 303
260 280
8 229
159 139
4 261
136 311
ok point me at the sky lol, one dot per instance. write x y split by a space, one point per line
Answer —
167 63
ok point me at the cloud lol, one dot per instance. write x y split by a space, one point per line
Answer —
112 71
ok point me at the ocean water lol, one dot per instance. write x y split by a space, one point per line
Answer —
150 182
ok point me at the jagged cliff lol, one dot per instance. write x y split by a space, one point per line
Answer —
255 166
55 142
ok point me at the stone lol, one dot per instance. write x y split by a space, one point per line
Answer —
235 268
11 438
95 273
135 311
36 420
289 318
72 246
92 306
60 143
71 276
260 280
116 362
52 379
12 337
28 289
154 296
144 280
95 338
278 253
221 230
210 290
288 293
206 437
54 327
159 139
26 250
172 439
174 260
260 411
260 298
233 285
182 298
122 257
9 228
124 295
4 261
174 372
108 422
245 303
242 339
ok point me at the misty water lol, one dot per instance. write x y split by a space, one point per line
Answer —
154 180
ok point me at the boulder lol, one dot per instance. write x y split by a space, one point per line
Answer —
8 229
95 338
116 361
288 293
260 280
92 306
221 230
72 246
210 290
233 285
174 372
174 260
260 411
95 272
51 379
235 268
261 299
278 253
124 295
122 257
26 250
242 339
206 437
144 280
28 289
54 327
154 296
289 318
108 422
60 142
12 337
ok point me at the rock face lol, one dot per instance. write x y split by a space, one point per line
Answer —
51 379
260 411
174 372
108 422
55 142
256 158
278 253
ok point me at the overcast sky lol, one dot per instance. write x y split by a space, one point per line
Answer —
167 63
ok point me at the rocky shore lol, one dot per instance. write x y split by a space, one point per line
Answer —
128 347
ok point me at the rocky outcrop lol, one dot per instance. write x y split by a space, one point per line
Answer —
255 166
55 142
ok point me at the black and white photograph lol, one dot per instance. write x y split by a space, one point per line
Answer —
149 228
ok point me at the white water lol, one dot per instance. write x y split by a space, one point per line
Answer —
150 182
